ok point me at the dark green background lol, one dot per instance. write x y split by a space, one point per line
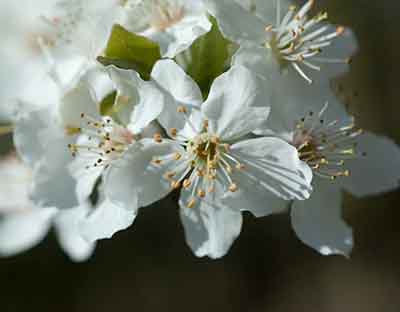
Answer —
149 267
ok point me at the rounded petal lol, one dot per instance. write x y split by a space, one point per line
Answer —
376 169
180 90
318 221
275 166
77 101
135 180
67 227
210 227
236 23
172 78
237 104
23 230
106 220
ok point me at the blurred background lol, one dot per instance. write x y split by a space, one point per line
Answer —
150 268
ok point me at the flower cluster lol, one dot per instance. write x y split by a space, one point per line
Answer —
227 102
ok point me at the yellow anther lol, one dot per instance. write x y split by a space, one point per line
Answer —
177 156
157 138
233 187
191 203
206 124
187 183
175 184
340 30
323 161
181 109
173 132
157 161
269 28
72 130
201 193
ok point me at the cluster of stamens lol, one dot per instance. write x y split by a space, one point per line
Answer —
204 161
106 141
326 147
299 40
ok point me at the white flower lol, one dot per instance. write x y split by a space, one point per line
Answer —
291 49
24 225
219 170
173 24
342 157
102 140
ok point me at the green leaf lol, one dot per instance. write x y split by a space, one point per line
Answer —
210 57
107 104
130 51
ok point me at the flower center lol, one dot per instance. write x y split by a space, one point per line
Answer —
106 141
326 147
298 40
204 161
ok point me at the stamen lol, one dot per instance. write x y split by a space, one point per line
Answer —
298 38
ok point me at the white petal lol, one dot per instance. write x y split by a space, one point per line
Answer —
106 220
172 78
77 101
126 83
86 178
23 230
26 136
292 97
318 221
264 10
135 181
53 184
67 227
149 108
236 23
181 36
180 90
210 227
376 172
343 48
41 143
252 196
237 104
275 166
